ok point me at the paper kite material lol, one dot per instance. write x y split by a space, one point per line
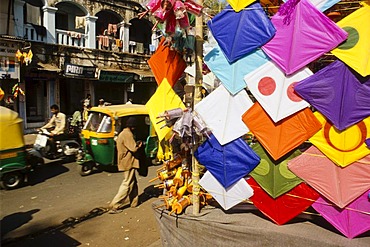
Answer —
274 176
338 94
163 99
227 163
342 147
281 137
275 91
238 34
223 112
166 63
231 74
355 51
351 220
227 198
322 5
303 34
238 5
339 185
285 207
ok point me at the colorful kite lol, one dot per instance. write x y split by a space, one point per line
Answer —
322 5
228 163
166 63
285 207
351 220
163 99
355 51
227 198
238 34
303 34
281 137
238 5
274 176
222 113
339 185
231 74
338 94
275 91
342 147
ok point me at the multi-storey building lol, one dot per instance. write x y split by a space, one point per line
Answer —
80 47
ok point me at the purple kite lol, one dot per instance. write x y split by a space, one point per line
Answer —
338 94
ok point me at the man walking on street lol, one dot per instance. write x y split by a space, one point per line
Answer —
128 192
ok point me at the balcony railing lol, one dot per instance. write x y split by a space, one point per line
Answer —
70 38
30 33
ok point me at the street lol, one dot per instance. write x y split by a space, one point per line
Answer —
58 207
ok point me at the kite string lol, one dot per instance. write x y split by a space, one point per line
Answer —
300 197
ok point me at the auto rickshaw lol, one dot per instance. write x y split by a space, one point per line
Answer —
101 130
15 161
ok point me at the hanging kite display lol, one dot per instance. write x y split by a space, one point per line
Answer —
303 34
251 29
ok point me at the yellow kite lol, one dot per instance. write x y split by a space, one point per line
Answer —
342 147
355 51
162 100
239 5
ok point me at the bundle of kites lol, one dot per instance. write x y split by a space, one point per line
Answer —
329 109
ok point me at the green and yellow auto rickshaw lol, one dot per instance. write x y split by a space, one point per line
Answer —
15 161
101 130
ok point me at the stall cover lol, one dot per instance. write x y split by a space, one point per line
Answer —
273 175
231 74
303 34
355 51
351 220
240 33
339 185
227 163
275 91
337 93
342 147
166 63
222 113
281 137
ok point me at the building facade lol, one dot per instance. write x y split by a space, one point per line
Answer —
78 47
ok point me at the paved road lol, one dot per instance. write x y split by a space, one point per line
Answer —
59 206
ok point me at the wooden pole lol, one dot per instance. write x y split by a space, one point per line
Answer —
196 99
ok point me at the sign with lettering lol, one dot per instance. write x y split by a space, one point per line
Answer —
79 71
116 76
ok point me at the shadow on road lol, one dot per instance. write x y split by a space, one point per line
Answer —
150 192
54 234
13 221
45 172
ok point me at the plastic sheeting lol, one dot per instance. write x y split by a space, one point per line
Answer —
337 94
238 34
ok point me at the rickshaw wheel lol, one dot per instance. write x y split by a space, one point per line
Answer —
11 180
86 169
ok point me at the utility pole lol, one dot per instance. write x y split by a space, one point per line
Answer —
196 99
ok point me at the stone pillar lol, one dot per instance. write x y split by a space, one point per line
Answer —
18 18
126 37
90 31
49 23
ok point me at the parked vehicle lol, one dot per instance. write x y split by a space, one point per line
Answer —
15 161
102 128
66 148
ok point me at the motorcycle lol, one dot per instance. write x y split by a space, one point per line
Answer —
66 148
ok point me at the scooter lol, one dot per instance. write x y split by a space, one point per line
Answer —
66 149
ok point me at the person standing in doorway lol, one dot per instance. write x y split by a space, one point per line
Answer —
128 192
101 103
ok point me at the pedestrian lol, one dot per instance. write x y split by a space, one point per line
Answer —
85 114
87 101
101 103
127 147
76 122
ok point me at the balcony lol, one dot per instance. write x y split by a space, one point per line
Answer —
70 38
34 32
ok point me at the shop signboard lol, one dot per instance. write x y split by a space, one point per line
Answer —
116 76
74 70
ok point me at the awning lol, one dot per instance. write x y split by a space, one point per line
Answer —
47 67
